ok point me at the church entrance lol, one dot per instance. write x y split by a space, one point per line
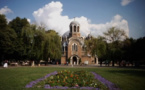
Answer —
74 60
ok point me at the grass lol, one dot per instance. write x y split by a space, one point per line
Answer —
124 78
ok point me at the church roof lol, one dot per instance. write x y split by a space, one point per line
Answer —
74 23
66 34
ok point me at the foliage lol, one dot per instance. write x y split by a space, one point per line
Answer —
3 22
21 40
7 41
115 34
53 45
134 50
114 37
17 24
96 46
40 44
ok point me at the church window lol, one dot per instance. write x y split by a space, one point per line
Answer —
78 28
74 28
74 47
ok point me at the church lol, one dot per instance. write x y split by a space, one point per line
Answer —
74 49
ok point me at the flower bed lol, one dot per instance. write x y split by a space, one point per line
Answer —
71 80
31 84
107 83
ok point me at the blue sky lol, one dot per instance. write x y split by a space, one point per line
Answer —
95 16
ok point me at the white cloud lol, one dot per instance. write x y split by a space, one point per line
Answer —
50 16
29 20
126 2
117 21
5 10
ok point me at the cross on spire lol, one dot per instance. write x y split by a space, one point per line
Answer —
74 18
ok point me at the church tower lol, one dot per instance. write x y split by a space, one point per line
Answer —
73 47
74 29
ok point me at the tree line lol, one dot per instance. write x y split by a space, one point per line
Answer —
20 40
116 47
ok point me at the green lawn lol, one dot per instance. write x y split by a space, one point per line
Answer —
17 78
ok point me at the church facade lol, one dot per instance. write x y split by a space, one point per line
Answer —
74 49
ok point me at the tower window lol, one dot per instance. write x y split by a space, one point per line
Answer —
78 28
74 28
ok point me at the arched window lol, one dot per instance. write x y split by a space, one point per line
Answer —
74 47
78 28
74 28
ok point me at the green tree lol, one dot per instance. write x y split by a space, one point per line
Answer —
52 45
139 51
7 41
3 22
114 37
17 24
40 44
27 37
96 46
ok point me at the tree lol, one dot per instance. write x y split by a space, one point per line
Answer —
7 41
114 36
52 45
96 46
40 44
27 37
3 22
139 51
128 48
20 41
17 24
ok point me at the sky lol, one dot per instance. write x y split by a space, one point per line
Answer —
95 16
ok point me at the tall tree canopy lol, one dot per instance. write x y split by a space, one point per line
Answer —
96 46
40 44
114 37
7 39
17 24
53 44
115 34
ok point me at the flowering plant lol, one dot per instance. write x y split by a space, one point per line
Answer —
72 79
